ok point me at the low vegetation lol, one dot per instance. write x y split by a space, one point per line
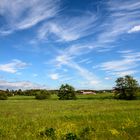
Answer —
3 96
89 117
94 116
41 95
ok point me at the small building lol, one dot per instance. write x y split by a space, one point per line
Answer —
87 92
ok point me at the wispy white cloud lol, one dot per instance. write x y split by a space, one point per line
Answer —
92 79
123 73
134 29
20 85
118 65
65 59
124 5
125 51
117 23
14 66
85 61
108 78
61 77
54 76
69 28
24 14
126 65
134 56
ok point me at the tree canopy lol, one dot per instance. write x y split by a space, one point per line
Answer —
126 87
66 92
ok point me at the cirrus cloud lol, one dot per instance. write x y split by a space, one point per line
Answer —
20 85
134 29
23 14
14 66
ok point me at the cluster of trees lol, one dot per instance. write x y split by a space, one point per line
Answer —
38 93
66 92
30 92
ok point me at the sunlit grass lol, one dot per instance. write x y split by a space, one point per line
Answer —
89 117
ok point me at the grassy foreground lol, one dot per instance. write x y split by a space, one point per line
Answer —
88 118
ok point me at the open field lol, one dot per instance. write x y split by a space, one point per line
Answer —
88 118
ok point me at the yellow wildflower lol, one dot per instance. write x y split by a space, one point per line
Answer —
114 132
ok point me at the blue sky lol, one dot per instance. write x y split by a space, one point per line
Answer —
87 44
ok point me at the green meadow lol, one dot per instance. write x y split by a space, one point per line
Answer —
90 117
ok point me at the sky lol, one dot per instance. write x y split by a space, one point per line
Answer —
85 43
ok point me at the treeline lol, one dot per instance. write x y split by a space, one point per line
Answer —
34 92
30 92
65 92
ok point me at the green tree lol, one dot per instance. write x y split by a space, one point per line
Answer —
126 88
19 92
66 92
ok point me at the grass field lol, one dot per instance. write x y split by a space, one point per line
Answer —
90 117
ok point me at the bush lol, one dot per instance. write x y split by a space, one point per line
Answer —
86 132
66 92
49 132
42 95
3 96
71 136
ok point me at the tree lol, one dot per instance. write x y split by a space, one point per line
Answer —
126 88
19 92
66 92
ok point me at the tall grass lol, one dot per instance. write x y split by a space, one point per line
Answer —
88 118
